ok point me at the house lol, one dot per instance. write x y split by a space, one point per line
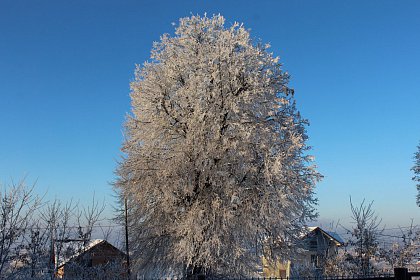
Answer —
314 248
97 260
319 245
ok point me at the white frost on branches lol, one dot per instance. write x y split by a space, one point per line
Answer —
216 165
416 170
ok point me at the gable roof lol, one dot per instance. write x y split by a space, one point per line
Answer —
333 236
92 244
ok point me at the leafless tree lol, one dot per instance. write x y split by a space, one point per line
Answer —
365 234
88 218
18 204
416 170
36 236
404 251
58 219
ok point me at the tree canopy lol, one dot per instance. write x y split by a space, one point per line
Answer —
216 170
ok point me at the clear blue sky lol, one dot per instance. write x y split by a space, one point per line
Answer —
65 68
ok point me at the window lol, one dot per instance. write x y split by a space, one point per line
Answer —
314 260
313 245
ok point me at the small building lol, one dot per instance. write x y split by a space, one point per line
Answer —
319 245
97 260
314 248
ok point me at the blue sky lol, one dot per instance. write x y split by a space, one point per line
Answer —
65 68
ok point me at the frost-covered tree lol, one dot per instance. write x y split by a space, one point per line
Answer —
364 238
216 170
18 203
416 170
404 252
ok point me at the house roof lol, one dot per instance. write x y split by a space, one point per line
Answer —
89 246
333 236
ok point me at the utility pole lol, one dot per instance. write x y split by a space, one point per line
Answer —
126 238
